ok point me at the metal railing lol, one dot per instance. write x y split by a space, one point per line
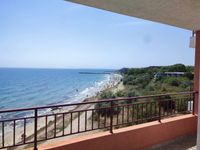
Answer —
49 122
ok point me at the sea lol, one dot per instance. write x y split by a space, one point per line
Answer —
21 88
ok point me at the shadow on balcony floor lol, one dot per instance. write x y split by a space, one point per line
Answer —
183 143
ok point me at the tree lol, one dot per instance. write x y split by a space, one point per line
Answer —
177 68
189 75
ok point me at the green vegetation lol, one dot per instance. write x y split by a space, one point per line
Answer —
142 81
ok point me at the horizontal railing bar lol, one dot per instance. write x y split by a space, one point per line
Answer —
76 111
16 119
93 102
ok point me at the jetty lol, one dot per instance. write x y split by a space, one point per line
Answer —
94 72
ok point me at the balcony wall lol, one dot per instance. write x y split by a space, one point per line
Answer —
131 138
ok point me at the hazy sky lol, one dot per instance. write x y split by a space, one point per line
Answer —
59 34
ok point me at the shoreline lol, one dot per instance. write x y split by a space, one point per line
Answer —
112 83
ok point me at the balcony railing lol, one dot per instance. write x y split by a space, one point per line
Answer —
49 122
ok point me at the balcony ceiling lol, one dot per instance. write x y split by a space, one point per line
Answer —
180 13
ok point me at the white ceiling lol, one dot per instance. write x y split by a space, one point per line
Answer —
180 13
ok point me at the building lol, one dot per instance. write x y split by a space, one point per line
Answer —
168 74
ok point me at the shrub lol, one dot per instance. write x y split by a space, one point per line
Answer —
173 81
128 80
164 89
120 94
106 95
149 88
107 111
189 75
130 94
167 103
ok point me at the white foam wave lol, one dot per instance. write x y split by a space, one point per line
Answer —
108 81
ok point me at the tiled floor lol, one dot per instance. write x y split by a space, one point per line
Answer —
183 143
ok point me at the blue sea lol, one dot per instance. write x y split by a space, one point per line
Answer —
20 88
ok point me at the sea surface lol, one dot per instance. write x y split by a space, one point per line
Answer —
20 88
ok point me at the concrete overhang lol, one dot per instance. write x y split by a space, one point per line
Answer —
180 13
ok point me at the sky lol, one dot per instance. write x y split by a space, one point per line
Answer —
60 34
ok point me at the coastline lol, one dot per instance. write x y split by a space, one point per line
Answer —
113 84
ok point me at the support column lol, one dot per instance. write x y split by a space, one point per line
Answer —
197 71
197 85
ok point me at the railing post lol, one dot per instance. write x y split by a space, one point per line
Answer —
193 101
159 110
111 116
35 129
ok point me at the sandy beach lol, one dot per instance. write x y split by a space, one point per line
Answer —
114 85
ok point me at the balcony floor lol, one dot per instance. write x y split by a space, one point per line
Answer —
183 143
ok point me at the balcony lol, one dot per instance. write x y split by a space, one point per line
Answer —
135 116
126 123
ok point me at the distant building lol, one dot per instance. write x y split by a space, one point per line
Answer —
168 74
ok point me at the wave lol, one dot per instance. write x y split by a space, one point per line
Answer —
97 87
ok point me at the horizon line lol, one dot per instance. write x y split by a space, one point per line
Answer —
61 68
